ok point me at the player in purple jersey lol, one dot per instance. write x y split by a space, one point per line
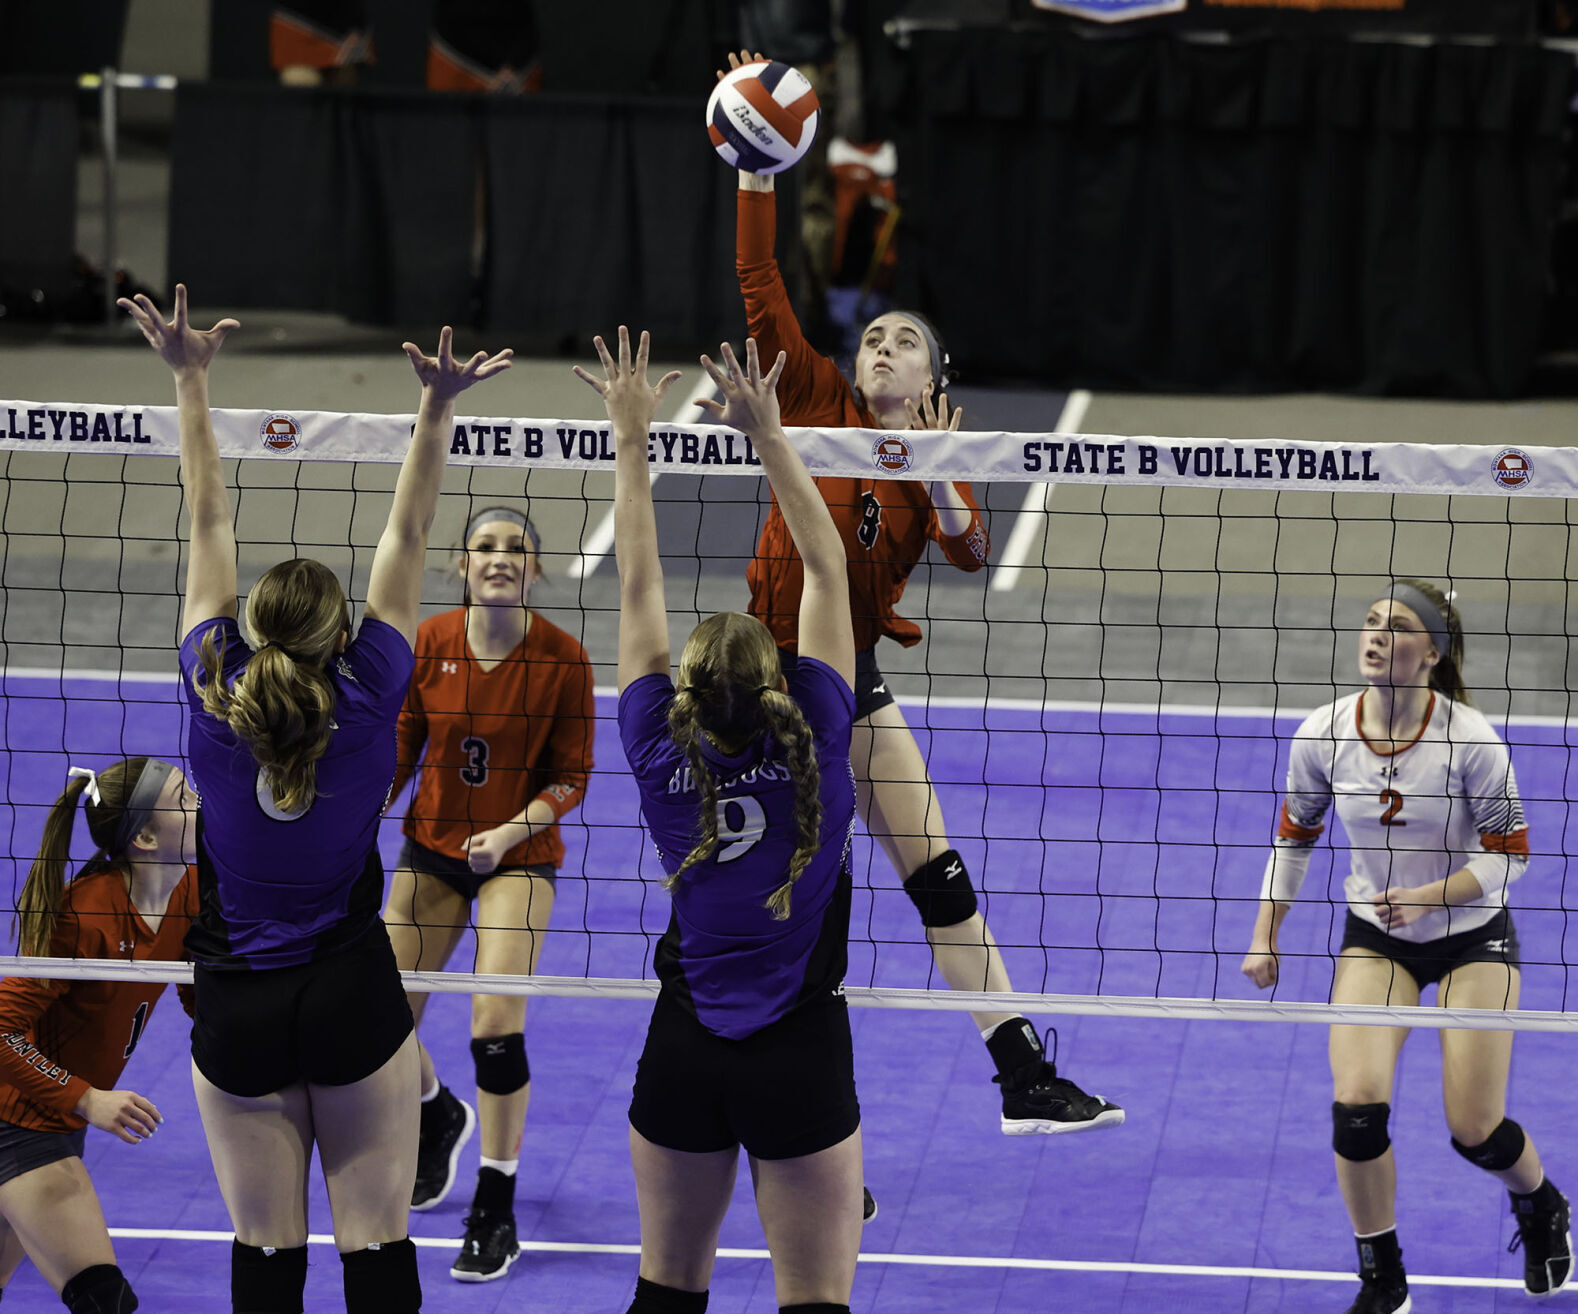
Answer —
747 791
301 1034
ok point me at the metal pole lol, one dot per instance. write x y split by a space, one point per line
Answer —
107 134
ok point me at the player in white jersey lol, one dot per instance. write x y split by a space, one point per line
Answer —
1425 791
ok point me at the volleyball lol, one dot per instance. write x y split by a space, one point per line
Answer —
762 116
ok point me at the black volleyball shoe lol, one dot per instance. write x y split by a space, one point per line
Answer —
1382 1293
1038 1102
1545 1234
447 1124
489 1247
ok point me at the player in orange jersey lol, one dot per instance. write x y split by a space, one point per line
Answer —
63 1044
901 370
499 718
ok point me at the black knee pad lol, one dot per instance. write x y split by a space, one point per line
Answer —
1498 1151
501 1063
653 1298
267 1280
382 1279
941 891
1359 1131
101 1289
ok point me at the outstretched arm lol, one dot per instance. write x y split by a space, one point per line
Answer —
631 403
211 564
394 590
750 404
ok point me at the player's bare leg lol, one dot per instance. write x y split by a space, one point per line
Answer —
52 1214
682 1198
810 1209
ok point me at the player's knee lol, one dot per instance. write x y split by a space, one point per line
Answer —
941 891
267 1279
382 1279
1496 1152
1359 1131
101 1289
501 1063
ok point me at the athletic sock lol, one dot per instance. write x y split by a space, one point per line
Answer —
1543 1197
654 1299
1379 1254
1014 1046
495 1191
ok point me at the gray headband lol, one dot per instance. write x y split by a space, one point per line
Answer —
502 514
938 360
1427 612
139 807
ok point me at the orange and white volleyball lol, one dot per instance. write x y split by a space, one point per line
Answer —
762 117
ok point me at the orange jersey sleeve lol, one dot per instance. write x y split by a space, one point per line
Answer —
59 1038
500 737
885 523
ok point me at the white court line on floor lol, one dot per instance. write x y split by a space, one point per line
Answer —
880 1257
967 702
1030 524
600 541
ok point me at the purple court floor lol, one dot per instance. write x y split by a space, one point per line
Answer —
1120 852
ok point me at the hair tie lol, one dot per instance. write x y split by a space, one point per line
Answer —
91 789
282 648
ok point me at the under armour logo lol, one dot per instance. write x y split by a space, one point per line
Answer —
125 945
449 668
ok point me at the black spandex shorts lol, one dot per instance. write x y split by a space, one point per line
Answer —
456 872
787 1091
331 1022
1427 961
871 686
22 1149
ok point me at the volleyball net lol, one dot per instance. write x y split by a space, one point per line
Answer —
1105 711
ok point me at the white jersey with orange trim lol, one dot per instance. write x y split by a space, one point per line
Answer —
1413 815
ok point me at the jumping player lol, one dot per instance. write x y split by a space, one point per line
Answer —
746 789
64 1044
1425 791
900 372
301 1032
500 718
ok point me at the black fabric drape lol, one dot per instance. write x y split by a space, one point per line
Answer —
358 203
1265 215
38 174
598 211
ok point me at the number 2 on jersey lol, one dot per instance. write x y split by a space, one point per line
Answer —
1394 806
741 824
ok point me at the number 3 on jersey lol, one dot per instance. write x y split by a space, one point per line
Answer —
475 772
741 824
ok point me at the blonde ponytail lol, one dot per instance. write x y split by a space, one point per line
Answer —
793 734
281 706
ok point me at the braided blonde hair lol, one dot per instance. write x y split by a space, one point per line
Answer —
729 675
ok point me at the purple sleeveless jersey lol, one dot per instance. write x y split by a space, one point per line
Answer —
724 955
277 890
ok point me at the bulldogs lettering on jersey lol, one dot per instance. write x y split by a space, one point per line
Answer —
1413 816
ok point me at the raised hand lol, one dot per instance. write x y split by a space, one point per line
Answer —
630 399
184 349
446 377
927 416
740 60
750 400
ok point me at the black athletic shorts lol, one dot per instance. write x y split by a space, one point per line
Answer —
786 1091
871 686
456 872
331 1022
23 1149
1427 961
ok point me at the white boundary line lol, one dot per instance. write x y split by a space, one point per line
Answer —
600 541
1037 503
906 700
891 1257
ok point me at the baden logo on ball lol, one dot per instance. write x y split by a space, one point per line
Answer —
762 117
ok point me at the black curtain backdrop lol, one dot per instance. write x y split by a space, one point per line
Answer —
598 211
38 163
1152 213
